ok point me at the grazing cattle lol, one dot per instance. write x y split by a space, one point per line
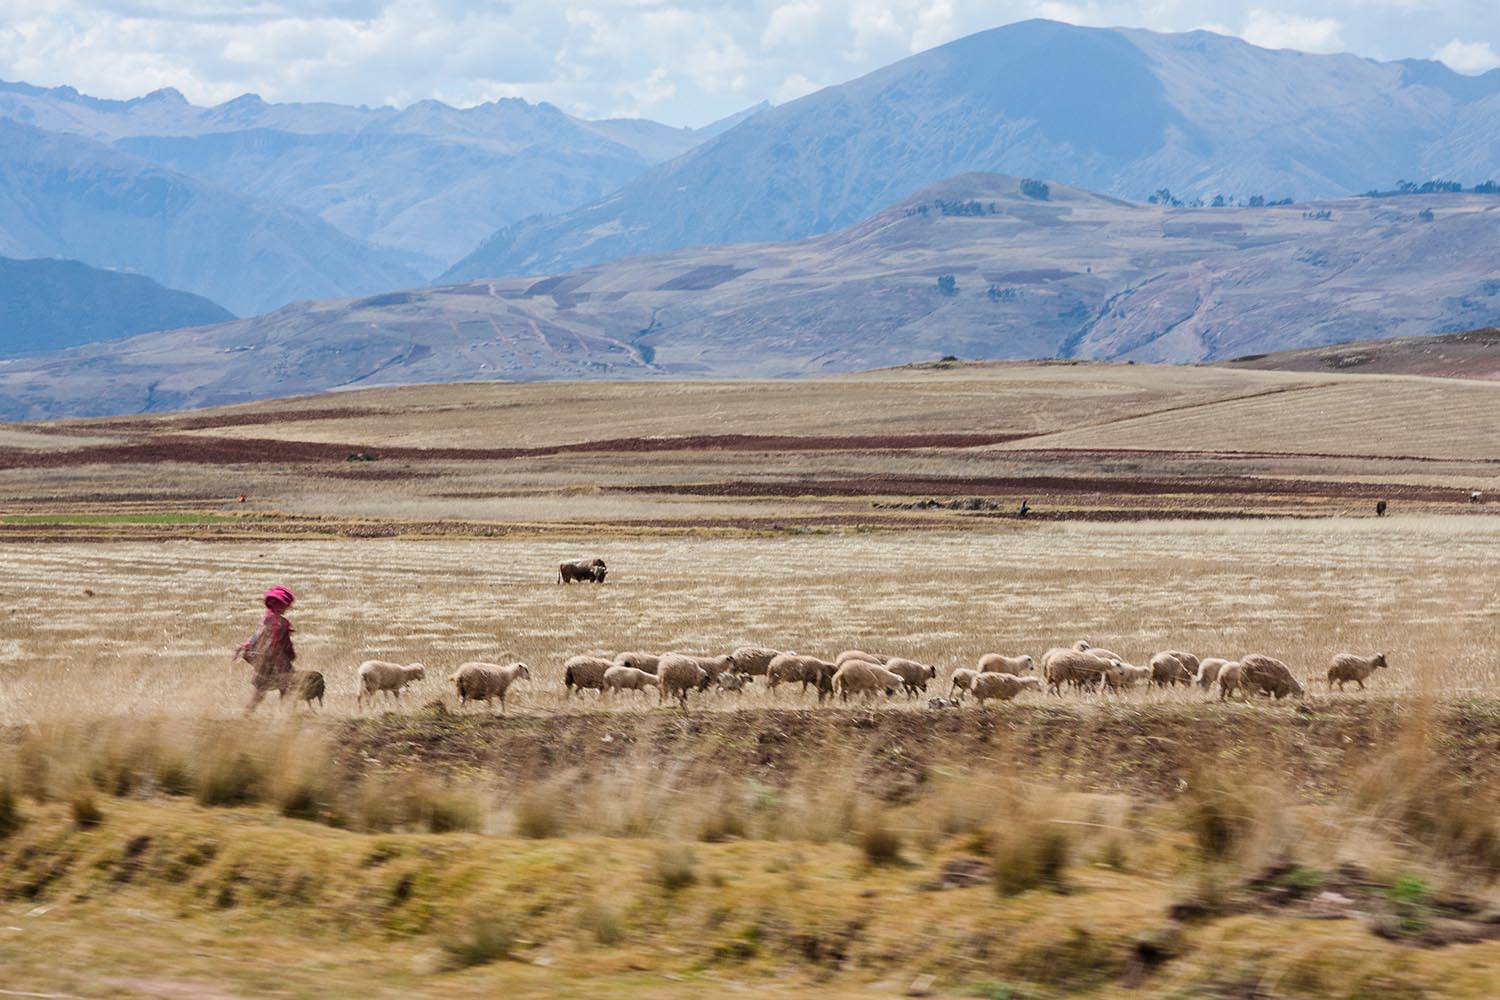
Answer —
584 570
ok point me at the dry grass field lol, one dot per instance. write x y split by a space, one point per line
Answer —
1149 843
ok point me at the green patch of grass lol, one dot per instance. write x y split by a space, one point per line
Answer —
163 517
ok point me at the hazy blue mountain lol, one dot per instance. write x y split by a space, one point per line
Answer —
65 196
50 304
1123 112
427 183
979 266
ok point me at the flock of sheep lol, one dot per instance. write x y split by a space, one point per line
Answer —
858 674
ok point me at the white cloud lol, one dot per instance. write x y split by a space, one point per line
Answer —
1292 31
1468 57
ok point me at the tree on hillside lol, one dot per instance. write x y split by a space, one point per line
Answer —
1035 189
947 284
1218 201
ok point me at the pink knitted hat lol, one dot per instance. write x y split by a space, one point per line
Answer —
279 597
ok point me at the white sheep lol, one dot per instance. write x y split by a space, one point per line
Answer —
585 672
1172 667
676 675
994 663
1002 686
379 675
483 681
753 660
914 676
1208 671
1349 667
865 678
618 678
1229 681
1125 676
858 654
962 680
789 668
641 661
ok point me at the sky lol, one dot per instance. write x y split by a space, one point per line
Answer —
683 62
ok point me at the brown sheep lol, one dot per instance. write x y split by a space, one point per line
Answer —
484 681
753 660
585 672
308 686
1229 681
1003 687
865 678
1171 667
588 570
1269 676
676 675
914 676
994 663
790 668
1349 667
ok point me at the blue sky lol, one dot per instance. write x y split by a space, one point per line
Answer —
685 62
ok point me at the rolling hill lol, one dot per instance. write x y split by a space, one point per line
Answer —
976 267
1473 354
425 184
50 304
1124 112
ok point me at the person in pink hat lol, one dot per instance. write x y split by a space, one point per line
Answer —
270 649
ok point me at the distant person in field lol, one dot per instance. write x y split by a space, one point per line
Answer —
270 650
1025 509
1380 509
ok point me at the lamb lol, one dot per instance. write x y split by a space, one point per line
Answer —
731 681
1269 676
584 672
914 676
676 675
1208 671
963 680
994 663
791 667
866 678
484 681
618 678
753 660
1229 681
640 661
1349 667
1078 668
1125 676
308 685
859 654
1171 667
379 675
1002 686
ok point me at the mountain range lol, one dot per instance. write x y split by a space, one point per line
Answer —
981 266
1120 111
50 304
256 204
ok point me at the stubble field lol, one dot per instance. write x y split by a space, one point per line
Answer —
1154 842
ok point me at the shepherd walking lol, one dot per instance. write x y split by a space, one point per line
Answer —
270 649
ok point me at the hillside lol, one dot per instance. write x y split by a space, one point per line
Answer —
1124 112
426 183
64 196
1072 275
1471 354
49 304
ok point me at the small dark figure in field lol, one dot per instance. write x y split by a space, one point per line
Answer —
306 685
270 649
1380 508
1025 509
590 570
1476 497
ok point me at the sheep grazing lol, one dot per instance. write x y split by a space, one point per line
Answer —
736 682
306 685
994 663
753 660
1172 667
485 681
1349 667
962 680
618 678
1125 676
581 673
712 666
1002 687
859 654
676 675
914 676
1208 671
640 661
1076 668
861 677
790 668
1269 676
378 675
1229 681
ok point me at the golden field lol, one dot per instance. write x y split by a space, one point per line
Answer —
1152 843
